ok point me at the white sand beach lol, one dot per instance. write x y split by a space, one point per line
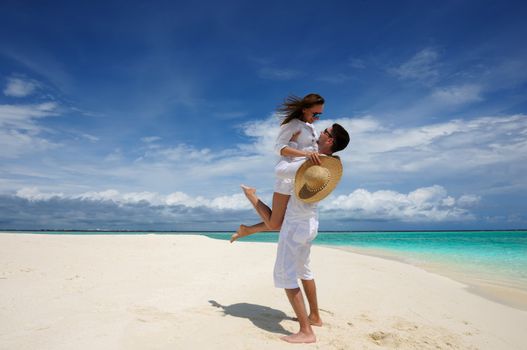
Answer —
193 292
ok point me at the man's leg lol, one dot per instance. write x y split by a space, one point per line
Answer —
305 334
310 289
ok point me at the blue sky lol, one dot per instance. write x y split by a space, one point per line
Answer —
135 115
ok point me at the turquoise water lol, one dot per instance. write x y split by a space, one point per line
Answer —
499 256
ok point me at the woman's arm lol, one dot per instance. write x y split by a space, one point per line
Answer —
292 152
289 132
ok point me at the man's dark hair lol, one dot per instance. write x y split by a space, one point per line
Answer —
341 138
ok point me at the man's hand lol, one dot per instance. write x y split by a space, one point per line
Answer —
314 157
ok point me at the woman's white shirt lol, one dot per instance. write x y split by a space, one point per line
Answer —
306 141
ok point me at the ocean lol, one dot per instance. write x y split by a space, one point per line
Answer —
492 256
492 264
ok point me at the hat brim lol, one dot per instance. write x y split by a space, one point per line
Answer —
334 166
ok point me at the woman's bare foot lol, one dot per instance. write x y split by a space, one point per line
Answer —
242 232
300 337
250 193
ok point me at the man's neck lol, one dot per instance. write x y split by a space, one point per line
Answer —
326 152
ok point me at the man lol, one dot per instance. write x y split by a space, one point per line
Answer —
299 228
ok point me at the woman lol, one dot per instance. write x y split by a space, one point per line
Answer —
297 138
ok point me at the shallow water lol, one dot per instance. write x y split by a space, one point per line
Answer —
493 255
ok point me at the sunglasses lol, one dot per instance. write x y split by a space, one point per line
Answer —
316 115
328 133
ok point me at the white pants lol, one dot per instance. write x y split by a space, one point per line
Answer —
292 256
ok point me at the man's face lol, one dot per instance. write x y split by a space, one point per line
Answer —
325 140
311 113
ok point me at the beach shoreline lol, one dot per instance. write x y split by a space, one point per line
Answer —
161 291
494 287
497 289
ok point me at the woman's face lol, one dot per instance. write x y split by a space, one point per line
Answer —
311 113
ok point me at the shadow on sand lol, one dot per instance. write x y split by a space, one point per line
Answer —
262 317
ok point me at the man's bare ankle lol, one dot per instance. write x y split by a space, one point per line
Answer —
315 320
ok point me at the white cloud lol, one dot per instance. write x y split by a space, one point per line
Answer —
458 95
33 194
423 66
90 138
114 156
232 202
150 139
366 124
510 72
379 156
180 198
181 152
263 134
14 143
431 204
451 147
108 195
468 200
24 116
17 87
19 131
428 204
378 153
39 61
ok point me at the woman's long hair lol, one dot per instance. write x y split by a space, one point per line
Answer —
293 106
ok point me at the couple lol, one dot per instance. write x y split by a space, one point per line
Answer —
300 183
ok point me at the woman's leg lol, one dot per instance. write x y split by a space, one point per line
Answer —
245 230
272 218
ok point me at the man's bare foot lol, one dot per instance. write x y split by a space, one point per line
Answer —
312 321
242 232
300 337
315 321
250 193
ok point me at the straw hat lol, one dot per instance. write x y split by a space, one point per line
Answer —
315 182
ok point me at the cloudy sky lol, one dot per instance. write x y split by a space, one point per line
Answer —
148 115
